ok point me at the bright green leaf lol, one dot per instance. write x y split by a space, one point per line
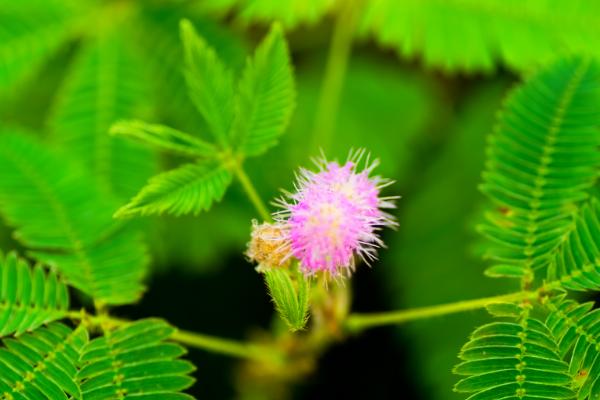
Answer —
191 188
291 296
29 297
164 137
210 83
266 96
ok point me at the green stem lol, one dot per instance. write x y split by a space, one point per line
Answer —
226 346
250 190
191 339
335 72
359 322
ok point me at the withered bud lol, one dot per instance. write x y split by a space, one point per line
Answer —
269 245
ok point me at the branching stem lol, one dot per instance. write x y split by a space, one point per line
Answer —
359 322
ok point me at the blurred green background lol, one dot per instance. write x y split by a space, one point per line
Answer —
423 83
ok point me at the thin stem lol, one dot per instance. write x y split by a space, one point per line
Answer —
359 322
335 72
201 341
250 190
226 346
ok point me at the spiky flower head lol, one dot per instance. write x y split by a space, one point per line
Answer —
335 214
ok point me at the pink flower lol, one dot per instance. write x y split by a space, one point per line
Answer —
335 214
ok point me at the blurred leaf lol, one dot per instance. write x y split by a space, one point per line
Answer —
104 84
191 188
67 223
290 13
164 138
432 242
459 35
156 32
210 83
30 31
265 97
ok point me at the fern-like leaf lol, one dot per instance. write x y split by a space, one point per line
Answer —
577 328
42 364
67 223
29 297
266 95
191 188
576 266
135 361
105 83
541 160
165 138
458 35
510 360
210 83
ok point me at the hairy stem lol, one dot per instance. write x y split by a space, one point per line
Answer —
226 346
358 322
201 341
251 192
335 72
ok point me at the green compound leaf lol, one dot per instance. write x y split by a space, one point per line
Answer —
576 266
164 138
508 360
266 96
210 83
577 328
42 364
29 297
541 160
291 297
458 35
191 188
104 84
67 223
135 361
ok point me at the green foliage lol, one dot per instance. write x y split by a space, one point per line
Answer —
477 35
134 361
265 98
191 188
290 13
29 36
210 83
106 82
541 161
513 360
29 297
42 364
164 138
67 223
244 124
576 264
577 330
291 296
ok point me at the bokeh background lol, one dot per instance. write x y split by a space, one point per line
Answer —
423 84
